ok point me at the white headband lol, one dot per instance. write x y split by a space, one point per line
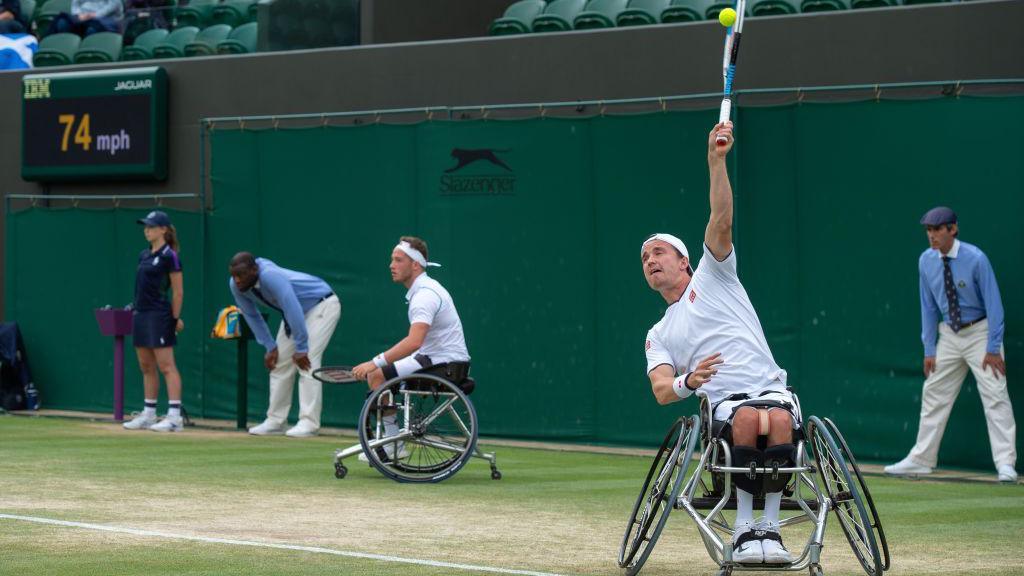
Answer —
415 254
670 239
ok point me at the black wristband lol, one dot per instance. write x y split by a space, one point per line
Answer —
686 382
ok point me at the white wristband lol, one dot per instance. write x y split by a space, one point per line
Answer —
679 386
379 360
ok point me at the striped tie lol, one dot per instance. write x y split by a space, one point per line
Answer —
954 302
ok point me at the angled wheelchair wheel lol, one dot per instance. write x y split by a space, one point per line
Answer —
876 523
848 501
438 428
658 494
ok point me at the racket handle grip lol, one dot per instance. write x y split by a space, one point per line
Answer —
723 117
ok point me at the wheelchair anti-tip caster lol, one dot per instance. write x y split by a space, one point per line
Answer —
340 470
495 474
815 570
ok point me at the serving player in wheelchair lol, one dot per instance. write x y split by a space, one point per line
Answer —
756 451
418 424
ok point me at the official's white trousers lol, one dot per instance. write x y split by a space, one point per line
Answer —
954 354
321 321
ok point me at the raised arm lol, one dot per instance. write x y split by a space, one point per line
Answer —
718 235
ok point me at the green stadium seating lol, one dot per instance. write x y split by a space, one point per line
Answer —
599 14
47 12
517 18
558 16
232 12
681 11
56 50
142 49
824 5
641 13
197 13
174 45
858 4
716 6
99 47
28 8
773 7
205 43
242 40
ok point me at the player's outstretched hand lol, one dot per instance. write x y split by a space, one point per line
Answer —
363 370
716 150
706 369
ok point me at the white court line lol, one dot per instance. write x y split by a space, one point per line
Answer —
314 549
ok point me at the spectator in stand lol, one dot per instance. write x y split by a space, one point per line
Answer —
12 21
89 17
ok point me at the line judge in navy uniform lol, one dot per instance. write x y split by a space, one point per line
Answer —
156 322
960 305
310 312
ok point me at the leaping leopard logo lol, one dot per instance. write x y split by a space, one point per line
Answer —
467 157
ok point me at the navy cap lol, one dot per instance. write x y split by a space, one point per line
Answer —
938 216
155 218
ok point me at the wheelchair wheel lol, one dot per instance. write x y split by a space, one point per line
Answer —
848 501
659 494
438 423
876 523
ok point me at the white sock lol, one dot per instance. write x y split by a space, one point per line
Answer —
390 425
772 503
174 409
744 507
150 407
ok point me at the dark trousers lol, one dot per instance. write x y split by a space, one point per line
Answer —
65 22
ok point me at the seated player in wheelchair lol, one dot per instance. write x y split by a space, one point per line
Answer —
435 343
711 339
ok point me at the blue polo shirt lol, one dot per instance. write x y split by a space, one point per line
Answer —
153 278
291 293
976 292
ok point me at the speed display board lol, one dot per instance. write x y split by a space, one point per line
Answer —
105 124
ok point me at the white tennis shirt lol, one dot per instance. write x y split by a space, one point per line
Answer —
715 315
431 304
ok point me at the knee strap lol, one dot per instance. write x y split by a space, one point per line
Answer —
764 425
781 456
743 457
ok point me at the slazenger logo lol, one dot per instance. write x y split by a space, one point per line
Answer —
494 175
133 85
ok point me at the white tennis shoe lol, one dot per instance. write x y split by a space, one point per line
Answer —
771 544
907 467
746 545
142 421
267 428
169 424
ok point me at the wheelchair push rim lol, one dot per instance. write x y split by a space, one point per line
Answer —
658 494
846 496
438 423
876 522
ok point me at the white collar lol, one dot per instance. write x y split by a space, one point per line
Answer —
415 285
952 251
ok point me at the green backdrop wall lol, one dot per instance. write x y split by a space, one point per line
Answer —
542 257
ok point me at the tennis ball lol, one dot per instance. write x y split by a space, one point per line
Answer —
727 17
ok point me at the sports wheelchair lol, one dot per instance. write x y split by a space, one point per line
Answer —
704 491
437 428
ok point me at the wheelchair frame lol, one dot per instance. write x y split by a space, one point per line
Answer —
833 464
401 395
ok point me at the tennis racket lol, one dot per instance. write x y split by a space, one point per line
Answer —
729 56
335 375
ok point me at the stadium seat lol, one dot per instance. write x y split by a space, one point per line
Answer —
641 13
858 4
242 40
232 12
197 13
47 12
99 47
824 5
599 14
680 11
28 8
56 50
142 49
173 45
205 43
558 16
773 7
517 18
716 6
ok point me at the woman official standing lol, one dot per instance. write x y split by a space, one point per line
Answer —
156 321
